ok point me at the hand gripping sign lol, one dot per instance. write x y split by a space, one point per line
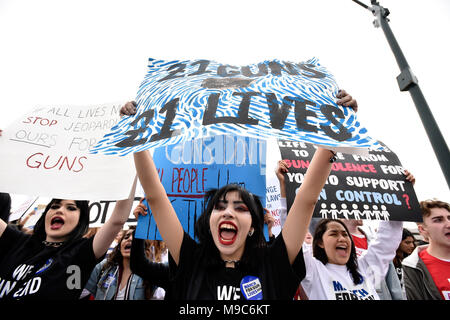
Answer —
184 100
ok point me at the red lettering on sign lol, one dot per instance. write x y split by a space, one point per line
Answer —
299 164
41 121
48 162
185 180
352 167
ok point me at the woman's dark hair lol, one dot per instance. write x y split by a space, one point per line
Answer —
399 254
5 206
320 254
202 227
406 233
115 257
77 233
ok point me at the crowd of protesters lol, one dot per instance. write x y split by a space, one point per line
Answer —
331 259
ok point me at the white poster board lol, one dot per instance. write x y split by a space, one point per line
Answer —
46 153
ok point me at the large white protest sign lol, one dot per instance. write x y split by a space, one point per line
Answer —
46 153
183 100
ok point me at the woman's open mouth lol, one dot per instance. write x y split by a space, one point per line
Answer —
342 250
56 223
227 233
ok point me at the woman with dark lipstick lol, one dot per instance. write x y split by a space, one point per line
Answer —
56 261
232 260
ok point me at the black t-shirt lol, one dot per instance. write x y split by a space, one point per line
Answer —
274 278
30 270
221 284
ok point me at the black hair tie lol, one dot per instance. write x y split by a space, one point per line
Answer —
333 158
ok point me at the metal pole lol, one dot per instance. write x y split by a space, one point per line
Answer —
408 82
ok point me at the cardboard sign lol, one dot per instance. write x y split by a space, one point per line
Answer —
46 153
185 100
188 170
358 187
101 210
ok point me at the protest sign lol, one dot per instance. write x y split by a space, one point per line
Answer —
273 203
33 216
184 100
370 188
101 210
46 153
17 213
189 169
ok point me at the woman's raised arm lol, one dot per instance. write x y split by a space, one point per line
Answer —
299 216
169 225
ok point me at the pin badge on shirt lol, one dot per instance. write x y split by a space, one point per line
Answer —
45 266
251 288
109 280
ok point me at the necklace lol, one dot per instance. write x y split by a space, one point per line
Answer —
231 261
52 244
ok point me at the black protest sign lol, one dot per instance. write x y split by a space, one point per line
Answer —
358 187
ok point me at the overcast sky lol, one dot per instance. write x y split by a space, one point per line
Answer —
90 52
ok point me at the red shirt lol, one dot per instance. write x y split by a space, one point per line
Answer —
360 244
440 272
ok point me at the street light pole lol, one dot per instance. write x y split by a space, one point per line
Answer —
407 81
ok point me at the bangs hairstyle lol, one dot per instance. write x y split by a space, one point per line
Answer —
253 203
77 233
320 254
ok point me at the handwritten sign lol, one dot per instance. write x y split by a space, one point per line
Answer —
46 153
22 209
189 169
101 210
370 188
273 203
184 100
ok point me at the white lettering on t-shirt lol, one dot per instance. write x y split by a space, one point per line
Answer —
21 271
31 286
341 293
228 293
6 287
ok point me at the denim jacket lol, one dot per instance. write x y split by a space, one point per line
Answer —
103 285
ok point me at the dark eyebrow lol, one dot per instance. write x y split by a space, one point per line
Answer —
337 230
234 202
71 204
